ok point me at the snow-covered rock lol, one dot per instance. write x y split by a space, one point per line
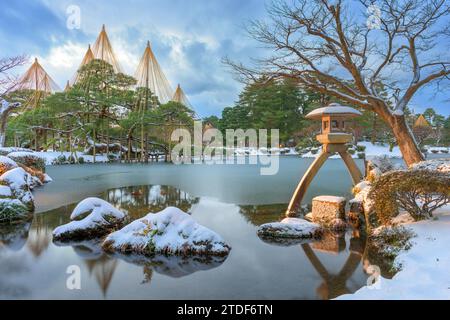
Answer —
19 182
293 228
169 232
93 218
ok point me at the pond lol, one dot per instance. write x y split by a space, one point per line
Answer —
232 200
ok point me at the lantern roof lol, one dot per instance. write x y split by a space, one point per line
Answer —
334 109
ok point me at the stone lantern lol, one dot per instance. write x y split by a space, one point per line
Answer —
334 138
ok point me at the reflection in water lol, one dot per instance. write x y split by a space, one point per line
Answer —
172 266
22 257
334 284
138 201
39 237
97 262
14 236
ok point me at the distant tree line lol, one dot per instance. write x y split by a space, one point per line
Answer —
100 114
284 104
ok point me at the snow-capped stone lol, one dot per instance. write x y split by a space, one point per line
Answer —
291 228
101 219
170 232
333 109
19 181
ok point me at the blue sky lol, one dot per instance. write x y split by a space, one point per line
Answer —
189 38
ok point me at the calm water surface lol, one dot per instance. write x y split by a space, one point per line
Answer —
231 200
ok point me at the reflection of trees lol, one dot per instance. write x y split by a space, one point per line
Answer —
138 201
97 262
260 214
39 237
172 266
14 236
12 265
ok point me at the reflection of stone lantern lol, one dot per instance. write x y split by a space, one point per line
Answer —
334 139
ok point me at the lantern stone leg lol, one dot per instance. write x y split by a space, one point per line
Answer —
352 167
305 182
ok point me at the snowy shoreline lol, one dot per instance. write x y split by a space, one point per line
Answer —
371 150
424 267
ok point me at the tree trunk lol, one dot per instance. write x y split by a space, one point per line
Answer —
406 141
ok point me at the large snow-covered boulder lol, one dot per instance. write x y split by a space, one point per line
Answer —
291 228
93 218
19 182
169 232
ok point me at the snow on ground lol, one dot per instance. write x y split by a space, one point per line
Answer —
375 150
425 267
101 217
171 232
50 156
291 228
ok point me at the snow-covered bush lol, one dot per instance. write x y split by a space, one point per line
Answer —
12 210
19 181
61 159
7 150
440 165
390 241
6 164
29 159
93 218
169 232
419 192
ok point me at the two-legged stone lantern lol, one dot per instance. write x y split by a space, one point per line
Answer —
334 139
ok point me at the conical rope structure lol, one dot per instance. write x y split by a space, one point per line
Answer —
88 57
181 97
102 50
37 79
150 75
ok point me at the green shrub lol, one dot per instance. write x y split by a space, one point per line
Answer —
361 155
352 152
360 148
419 192
81 160
12 210
71 160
